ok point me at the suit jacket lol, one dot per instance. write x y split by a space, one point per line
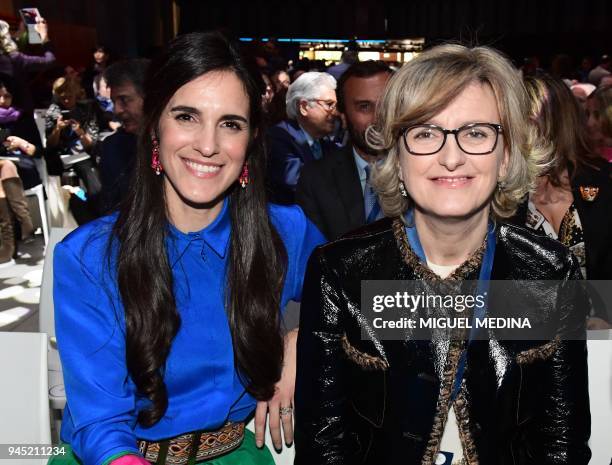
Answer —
117 162
288 151
329 191
363 400
595 216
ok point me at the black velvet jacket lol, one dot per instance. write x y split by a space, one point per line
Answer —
368 401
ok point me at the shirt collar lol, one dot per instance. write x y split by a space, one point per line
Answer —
216 235
309 138
361 164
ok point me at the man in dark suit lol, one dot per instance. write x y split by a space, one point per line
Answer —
335 192
293 143
118 151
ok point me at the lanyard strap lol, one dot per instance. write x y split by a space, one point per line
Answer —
483 285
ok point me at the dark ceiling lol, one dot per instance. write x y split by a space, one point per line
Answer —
520 27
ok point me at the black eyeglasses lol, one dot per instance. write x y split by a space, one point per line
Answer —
473 139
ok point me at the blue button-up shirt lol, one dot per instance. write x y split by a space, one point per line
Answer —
204 390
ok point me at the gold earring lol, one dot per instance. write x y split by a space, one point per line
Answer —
402 189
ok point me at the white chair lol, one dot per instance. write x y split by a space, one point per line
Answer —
46 324
600 393
24 401
57 213
41 166
38 192
39 119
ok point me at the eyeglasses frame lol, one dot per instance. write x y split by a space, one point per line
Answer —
318 102
497 127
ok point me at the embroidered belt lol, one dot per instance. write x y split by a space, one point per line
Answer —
200 445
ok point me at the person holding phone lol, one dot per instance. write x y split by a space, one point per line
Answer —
71 125
73 128
17 65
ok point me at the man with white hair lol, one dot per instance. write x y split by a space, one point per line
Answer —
311 109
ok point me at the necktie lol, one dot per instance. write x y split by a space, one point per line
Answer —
372 207
317 151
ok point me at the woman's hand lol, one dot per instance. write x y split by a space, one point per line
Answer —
13 143
61 123
76 127
82 134
280 407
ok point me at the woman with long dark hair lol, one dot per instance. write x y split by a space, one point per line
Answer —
167 314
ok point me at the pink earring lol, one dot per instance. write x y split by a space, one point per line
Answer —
244 176
155 163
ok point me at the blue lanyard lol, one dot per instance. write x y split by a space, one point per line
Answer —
482 287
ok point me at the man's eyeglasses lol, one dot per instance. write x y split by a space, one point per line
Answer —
327 105
473 139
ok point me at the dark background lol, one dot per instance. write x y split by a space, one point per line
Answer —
521 28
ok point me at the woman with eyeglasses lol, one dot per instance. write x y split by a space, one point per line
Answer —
460 159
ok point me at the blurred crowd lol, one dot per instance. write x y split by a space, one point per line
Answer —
81 141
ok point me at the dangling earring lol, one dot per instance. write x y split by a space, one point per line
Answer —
244 176
155 163
501 185
402 189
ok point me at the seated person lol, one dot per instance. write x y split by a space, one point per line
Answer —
453 122
73 127
118 151
311 108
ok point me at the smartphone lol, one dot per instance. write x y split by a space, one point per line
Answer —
67 114
30 17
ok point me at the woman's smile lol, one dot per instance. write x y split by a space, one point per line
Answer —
202 170
453 182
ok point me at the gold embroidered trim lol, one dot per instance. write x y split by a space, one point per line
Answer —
467 268
421 270
433 444
542 352
366 361
470 455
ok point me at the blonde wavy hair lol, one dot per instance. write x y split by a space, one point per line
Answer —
7 44
424 87
62 86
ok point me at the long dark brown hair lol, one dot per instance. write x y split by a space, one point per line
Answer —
257 257
560 123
